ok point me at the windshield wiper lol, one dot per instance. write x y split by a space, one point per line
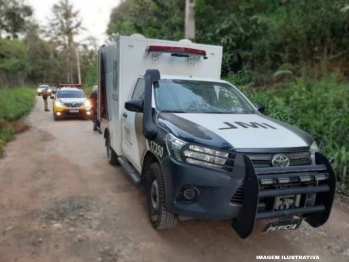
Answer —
215 112
173 111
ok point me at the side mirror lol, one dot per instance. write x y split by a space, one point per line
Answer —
134 105
260 108
52 97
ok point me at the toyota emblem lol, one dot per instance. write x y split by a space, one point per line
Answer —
280 160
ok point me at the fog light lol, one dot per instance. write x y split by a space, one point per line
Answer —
284 180
191 193
88 113
267 181
305 178
58 113
320 177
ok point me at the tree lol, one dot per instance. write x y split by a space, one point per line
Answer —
45 62
264 36
13 17
13 62
120 21
63 27
152 18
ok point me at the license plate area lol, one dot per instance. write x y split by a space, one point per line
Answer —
286 202
74 111
283 225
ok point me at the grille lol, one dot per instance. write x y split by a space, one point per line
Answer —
291 184
238 196
66 113
73 104
296 159
229 164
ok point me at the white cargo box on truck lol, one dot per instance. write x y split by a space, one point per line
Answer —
121 63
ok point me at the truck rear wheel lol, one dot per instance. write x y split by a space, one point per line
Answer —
112 157
159 216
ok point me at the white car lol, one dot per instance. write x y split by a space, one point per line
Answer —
41 89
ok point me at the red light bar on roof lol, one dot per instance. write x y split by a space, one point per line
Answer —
176 50
69 85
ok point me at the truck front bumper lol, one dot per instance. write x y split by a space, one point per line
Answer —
72 112
214 188
210 192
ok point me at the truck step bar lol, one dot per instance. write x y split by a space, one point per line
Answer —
315 215
130 170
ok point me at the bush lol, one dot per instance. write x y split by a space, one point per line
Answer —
319 107
91 78
322 108
14 103
242 77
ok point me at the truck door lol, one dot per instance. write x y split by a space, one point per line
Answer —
130 143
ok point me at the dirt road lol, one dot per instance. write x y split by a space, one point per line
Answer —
61 201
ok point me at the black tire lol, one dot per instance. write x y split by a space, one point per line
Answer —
159 216
112 156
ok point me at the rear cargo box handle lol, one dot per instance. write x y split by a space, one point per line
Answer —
124 115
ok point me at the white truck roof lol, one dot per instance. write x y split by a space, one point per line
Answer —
185 77
122 62
129 57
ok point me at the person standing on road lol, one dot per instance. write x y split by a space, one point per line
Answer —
45 95
93 100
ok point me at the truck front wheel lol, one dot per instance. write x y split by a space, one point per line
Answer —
112 157
159 216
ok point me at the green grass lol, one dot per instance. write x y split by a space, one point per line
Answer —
319 107
87 90
14 103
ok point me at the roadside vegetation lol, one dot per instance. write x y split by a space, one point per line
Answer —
320 107
91 78
14 104
33 54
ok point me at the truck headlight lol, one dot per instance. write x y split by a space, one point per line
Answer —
313 149
196 155
203 156
174 146
58 103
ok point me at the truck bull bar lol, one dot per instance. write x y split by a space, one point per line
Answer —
315 215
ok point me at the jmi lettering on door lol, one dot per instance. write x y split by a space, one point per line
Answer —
237 125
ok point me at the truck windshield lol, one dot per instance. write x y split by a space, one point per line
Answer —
191 96
71 94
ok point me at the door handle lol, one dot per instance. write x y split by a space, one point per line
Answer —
124 115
